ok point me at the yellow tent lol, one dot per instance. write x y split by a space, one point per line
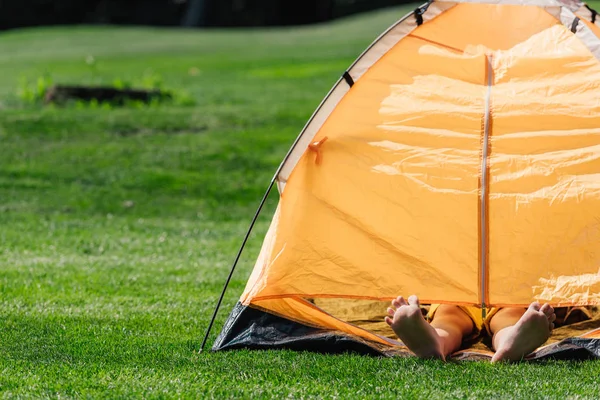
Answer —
457 159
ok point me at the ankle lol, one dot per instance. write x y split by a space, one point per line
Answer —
499 338
449 340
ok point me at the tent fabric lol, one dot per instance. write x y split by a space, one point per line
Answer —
397 32
457 159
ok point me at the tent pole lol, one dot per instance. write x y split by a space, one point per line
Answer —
237 258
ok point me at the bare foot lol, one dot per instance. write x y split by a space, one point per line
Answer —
531 331
408 323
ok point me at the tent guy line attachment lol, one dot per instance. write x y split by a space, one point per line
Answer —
316 148
237 258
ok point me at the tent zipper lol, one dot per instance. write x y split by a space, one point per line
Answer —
484 193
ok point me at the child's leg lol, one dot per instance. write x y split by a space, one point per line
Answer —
452 324
441 338
519 331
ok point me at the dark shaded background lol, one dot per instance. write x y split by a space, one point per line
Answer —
190 13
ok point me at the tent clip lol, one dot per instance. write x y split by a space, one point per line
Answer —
574 26
316 147
594 13
419 16
348 79
419 11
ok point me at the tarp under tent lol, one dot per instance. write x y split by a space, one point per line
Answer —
457 159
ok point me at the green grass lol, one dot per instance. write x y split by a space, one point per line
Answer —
118 227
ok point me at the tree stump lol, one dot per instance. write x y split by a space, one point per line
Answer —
60 94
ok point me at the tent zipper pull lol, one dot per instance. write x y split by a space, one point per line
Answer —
316 147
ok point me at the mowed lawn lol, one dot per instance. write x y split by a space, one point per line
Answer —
118 226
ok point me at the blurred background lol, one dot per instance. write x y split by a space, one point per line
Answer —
189 13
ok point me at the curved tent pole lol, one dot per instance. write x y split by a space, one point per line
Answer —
262 203
237 258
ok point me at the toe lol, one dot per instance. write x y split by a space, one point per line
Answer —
413 300
535 306
551 327
552 318
547 309
391 311
402 301
388 321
